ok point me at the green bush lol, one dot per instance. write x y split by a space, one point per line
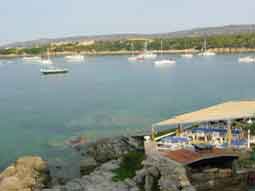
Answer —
130 163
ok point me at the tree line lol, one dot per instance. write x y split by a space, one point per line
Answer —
218 41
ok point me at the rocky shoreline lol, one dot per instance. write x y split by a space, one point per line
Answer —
101 160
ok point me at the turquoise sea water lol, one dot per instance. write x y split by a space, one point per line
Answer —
107 96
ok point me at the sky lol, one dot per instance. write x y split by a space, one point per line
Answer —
32 19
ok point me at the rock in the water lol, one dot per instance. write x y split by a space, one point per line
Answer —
26 174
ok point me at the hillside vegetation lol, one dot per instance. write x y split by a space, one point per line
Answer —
246 40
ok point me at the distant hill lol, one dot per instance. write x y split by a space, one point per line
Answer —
198 32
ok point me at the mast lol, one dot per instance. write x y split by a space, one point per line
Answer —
161 47
132 48
145 46
205 45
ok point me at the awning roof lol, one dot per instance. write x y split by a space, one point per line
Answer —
224 111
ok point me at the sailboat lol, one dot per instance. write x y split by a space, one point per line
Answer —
133 57
186 54
164 62
75 58
205 52
247 59
50 69
147 54
47 60
31 58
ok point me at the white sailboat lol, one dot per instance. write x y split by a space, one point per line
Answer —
32 58
147 54
205 52
47 60
49 68
246 59
75 58
164 62
132 57
187 55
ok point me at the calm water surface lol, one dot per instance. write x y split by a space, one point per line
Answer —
106 96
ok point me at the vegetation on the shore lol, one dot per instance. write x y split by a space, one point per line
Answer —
246 40
130 163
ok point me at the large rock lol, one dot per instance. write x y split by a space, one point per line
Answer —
87 165
100 179
164 174
112 148
26 174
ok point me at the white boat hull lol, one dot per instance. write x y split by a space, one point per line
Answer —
187 55
46 62
207 53
247 59
75 58
165 63
32 59
54 71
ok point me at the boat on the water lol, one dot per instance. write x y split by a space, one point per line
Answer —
164 62
53 70
187 55
206 52
247 59
145 55
50 69
32 58
46 61
75 58
132 57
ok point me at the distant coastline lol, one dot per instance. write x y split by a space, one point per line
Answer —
126 52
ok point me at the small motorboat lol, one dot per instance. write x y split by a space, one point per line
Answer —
53 70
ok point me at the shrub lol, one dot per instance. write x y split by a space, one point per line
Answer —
130 163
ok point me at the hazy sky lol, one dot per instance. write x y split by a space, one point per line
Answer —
31 19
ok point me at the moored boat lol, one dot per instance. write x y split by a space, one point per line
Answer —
46 61
53 70
247 59
32 58
164 63
206 52
74 58
187 55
